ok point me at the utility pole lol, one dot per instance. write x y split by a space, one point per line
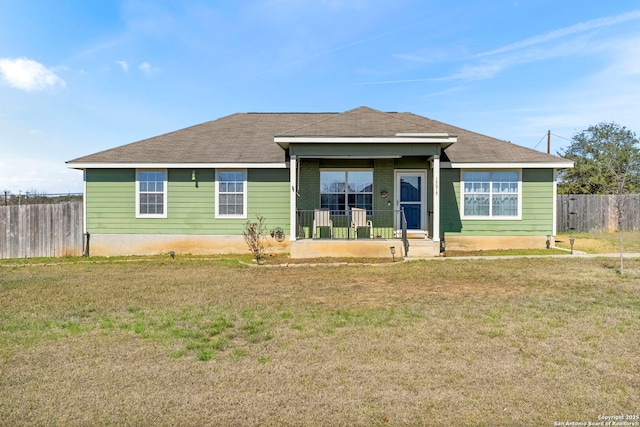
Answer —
548 142
5 197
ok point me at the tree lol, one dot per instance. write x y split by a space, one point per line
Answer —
606 161
255 234
36 198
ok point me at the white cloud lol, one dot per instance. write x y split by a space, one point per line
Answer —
146 68
577 42
29 75
625 57
607 94
411 57
563 32
487 68
42 176
124 65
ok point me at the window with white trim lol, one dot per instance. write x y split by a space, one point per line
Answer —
491 194
151 197
341 190
231 193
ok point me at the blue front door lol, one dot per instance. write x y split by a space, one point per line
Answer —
410 190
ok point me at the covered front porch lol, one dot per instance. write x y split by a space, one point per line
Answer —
364 196
341 237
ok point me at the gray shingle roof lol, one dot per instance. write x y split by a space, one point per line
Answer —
361 121
249 138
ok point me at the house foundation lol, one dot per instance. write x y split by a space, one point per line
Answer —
362 248
157 244
484 243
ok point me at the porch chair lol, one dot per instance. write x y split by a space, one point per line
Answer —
359 220
321 218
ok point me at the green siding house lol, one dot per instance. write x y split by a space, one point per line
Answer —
328 184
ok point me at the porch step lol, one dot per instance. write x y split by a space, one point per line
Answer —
412 234
423 248
416 235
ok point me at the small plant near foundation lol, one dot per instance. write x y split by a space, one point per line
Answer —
255 234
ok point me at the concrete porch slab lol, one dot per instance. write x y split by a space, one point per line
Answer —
361 248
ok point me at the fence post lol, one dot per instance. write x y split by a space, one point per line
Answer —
85 248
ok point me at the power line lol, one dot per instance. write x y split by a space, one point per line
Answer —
543 137
546 135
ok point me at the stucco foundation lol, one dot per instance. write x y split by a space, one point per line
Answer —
147 244
479 243
361 248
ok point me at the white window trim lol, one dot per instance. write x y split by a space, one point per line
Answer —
347 170
244 195
164 197
491 217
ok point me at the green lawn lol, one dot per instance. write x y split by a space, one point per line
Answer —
216 342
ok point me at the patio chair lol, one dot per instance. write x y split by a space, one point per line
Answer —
359 220
321 218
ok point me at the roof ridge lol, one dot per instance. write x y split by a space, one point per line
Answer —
363 107
291 112
312 124
409 121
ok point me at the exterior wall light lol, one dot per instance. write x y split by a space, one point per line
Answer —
384 194
193 175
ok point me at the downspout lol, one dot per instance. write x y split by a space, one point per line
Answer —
85 233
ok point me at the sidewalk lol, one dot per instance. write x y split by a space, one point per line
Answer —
576 254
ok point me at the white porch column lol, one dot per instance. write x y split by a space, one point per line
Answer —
293 199
436 198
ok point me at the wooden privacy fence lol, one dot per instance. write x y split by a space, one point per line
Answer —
29 231
596 213
53 230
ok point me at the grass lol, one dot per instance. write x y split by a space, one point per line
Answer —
601 243
508 252
196 341
591 243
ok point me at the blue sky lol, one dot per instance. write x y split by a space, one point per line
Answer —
77 77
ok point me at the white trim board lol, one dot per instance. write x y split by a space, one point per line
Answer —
284 165
398 139
559 165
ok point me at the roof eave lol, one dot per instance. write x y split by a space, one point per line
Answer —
507 165
165 165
